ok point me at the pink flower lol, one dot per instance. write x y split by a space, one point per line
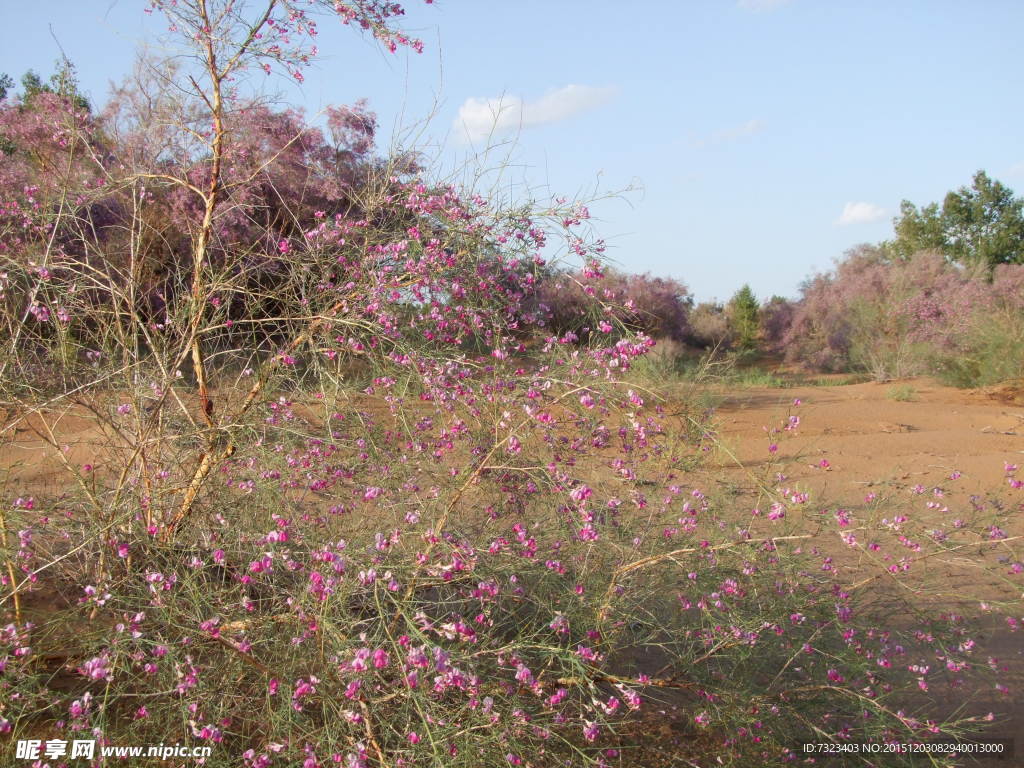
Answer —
303 689
40 312
95 669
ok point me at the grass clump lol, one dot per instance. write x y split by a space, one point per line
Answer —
901 393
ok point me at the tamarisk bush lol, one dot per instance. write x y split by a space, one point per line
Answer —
709 326
895 317
775 316
337 511
591 299
876 315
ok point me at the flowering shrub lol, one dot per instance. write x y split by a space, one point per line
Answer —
710 327
991 348
383 531
600 300
872 314
775 317
896 318
413 592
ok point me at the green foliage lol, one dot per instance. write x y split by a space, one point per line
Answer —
63 82
743 312
994 352
981 224
881 341
758 377
6 84
710 327
834 381
901 393
32 84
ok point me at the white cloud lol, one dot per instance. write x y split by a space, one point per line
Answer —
480 118
860 213
737 132
749 128
762 5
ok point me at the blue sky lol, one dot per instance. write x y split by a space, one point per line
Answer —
763 137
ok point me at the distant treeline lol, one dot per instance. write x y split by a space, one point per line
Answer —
945 296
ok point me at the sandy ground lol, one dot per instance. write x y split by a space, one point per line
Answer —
870 439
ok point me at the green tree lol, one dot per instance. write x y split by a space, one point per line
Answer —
63 82
743 313
32 84
980 224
